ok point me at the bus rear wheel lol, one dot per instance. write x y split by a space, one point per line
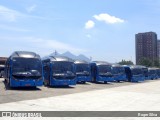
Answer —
105 82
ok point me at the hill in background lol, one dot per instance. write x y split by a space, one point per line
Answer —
72 56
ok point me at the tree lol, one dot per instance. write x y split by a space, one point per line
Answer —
145 62
156 63
124 62
149 63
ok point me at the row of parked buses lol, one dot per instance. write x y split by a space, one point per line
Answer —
24 68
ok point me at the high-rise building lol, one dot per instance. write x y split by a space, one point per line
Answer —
146 46
158 49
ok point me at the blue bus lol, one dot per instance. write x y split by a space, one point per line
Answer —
59 71
101 72
152 73
23 69
145 72
158 72
134 73
83 71
119 73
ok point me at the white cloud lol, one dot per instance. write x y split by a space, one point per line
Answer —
108 18
31 8
42 46
8 14
89 24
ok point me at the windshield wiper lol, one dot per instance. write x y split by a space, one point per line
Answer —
66 75
86 73
27 74
108 74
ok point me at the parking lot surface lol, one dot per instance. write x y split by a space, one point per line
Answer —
84 97
19 94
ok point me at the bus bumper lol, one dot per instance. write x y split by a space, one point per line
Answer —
83 79
151 77
120 78
25 83
137 79
61 82
105 79
147 78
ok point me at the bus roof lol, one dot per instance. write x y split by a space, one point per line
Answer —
81 62
153 68
116 65
24 54
100 63
141 66
58 58
134 66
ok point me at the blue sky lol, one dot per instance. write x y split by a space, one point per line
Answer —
102 29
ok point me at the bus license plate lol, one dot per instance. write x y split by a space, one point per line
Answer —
27 84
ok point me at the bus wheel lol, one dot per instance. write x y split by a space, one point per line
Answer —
84 82
45 83
105 82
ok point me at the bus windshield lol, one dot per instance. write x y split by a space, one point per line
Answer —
26 67
136 71
118 70
158 72
63 70
151 71
104 70
82 69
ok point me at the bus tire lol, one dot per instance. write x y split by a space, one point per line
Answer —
84 82
105 82
45 83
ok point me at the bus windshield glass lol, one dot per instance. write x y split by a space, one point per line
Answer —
151 71
137 71
27 67
82 69
104 69
63 70
158 72
118 70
